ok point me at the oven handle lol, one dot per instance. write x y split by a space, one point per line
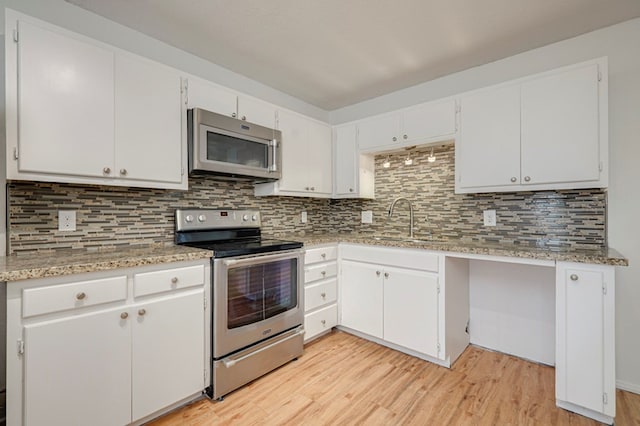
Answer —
228 362
254 260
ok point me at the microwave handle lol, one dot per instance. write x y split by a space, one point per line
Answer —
274 152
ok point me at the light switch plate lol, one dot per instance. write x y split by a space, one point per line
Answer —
66 220
367 216
489 218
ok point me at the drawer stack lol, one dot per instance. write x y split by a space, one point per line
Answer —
320 290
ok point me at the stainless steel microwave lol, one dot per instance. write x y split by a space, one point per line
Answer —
232 149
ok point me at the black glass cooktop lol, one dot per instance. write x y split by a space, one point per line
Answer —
245 246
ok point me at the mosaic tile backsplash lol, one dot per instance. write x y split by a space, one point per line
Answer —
109 217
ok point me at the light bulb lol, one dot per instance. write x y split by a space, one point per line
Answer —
408 161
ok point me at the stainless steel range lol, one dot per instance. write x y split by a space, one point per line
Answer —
257 306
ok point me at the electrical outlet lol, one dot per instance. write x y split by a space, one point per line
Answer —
66 220
303 217
367 216
489 218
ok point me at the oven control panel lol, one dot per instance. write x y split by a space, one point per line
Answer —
201 219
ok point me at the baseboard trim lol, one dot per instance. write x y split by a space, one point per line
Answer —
629 387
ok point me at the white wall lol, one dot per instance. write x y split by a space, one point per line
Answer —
621 44
79 20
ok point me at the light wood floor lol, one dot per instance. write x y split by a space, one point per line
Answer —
342 379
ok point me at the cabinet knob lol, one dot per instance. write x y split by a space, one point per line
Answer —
174 280
234 115
313 188
405 137
378 273
527 178
141 312
124 315
574 277
323 255
244 118
513 179
386 275
123 172
323 273
324 322
81 295
350 189
394 139
106 170
306 188
323 295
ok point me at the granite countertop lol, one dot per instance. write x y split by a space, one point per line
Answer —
605 256
67 262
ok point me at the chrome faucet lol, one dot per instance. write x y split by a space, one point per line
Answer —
393 204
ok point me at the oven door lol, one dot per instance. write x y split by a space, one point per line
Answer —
254 298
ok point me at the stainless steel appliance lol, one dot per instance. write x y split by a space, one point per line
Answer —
232 148
257 297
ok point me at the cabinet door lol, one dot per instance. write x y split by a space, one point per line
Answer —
584 361
295 155
77 371
208 96
148 125
258 112
65 104
361 297
168 351
378 132
346 150
411 310
488 149
429 121
560 128
318 158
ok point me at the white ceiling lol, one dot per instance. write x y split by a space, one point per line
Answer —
333 53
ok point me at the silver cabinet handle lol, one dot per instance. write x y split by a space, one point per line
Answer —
394 139
124 315
106 170
174 280
244 118
81 295
378 273
123 172
141 312
386 275
405 136
513 179
234 115
527 178
323 295
573 277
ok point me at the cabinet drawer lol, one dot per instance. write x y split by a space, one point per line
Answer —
62 297
320 321
167 280
320 254
320 294
319 272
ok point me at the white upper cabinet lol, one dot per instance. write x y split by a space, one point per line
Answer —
422 123
81 111
211 97
544 132
64 90
148 124
306 158
257 111
354 173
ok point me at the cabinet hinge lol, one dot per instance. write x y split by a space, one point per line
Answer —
438 348
604 288
205 303
601 166
458 107
204 376
605 398
15 153
438 288
182 171
599 75
20 347
15 35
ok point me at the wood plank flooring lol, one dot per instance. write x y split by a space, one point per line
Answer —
342 379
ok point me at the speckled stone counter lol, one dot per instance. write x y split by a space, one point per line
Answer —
15 268
606 256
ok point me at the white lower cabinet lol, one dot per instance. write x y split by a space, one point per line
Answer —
585 340
320 290
107 357
361 298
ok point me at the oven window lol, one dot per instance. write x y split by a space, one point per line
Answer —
257 292
228 149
